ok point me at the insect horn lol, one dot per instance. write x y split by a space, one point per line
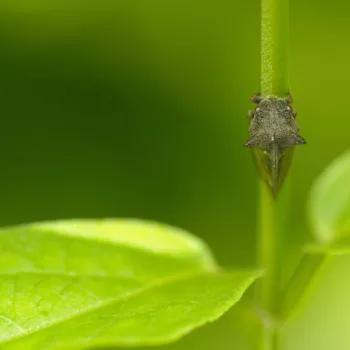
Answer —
299 140
253 141
294 140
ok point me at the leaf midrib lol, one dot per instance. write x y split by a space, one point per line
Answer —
127 295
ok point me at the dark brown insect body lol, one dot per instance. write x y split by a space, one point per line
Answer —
273 134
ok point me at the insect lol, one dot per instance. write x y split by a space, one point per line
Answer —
273 135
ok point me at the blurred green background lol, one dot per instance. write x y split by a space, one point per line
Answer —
138 109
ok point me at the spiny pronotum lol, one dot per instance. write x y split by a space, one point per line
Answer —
273 135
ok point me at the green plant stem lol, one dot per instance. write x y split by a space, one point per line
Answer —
274 47
272 227
273 213
268 248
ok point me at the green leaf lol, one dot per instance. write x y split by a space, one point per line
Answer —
80 283
329 212
322 322
312 263
330 201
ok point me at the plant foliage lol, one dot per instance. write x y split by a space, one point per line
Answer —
81 283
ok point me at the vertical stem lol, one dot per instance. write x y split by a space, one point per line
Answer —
273 213
272 227
274 47
268 248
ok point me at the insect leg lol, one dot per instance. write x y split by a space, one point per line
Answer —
289 99
256 98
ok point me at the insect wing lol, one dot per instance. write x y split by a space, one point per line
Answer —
273 177
285 161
